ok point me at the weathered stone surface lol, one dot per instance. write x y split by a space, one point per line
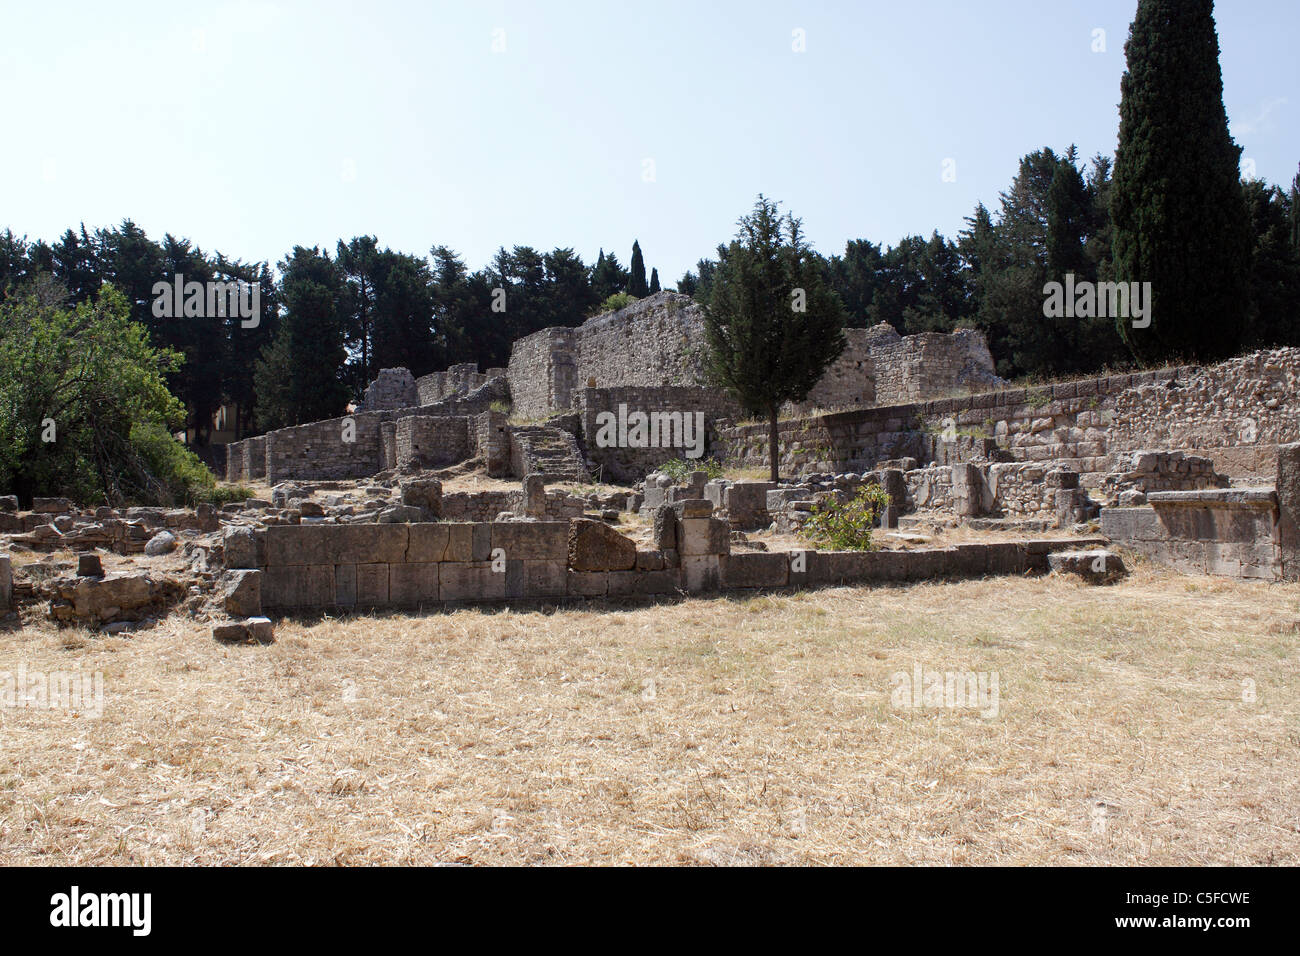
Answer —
372 584
306 586
244 548
8 502
1288 496
427 542
425 493
52 506
532 541
113 597
471 581
665 528
335 544
6 582
594 546
698 536
89 566
702 572
260 630
1096 566
164 542
232 632
242 593
587 583
755 569
534 504
413 583
693 508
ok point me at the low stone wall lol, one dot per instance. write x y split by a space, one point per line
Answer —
457 380
411 565
486 505
1232 532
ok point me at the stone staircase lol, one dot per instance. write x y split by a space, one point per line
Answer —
551 452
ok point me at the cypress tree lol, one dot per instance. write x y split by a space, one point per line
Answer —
654 281
1179 215
772 324
636 284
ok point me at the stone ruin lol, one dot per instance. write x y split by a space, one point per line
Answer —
1194 467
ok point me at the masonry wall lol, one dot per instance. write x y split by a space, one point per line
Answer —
401 565
1066 421
432 441
632 464
457 380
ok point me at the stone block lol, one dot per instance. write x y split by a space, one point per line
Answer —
693 508
702 572
427 542
665 528
543 579
6 582
298 586
700 536
372 584
650 561
531 540
594 546
413 583
345 585
667 581
242 593
1288 497
755 569
471 581
587 583
336 544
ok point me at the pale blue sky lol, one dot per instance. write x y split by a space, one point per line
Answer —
251 126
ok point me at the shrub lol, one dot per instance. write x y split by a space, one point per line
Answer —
619 300
848 526
679 469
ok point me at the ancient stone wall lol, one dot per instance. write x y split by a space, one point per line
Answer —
392 388
624 462
426 441
457 380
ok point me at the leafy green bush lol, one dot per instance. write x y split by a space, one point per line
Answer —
619 300
848 526
679 469
223 494
84 409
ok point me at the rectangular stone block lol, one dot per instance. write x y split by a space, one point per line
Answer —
372 584
298 587
531 541
588 583
460 542
543 579
655 582
702 572
701 536
1288 500
300 544
755 570
6 582
413 583
427 542
345 585
471 581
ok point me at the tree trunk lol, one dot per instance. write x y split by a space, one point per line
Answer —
773 442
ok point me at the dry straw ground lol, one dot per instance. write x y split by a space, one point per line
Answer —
718 731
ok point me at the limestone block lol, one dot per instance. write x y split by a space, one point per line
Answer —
594 546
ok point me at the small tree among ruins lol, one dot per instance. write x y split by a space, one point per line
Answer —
773 326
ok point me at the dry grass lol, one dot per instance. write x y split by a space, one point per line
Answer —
709 731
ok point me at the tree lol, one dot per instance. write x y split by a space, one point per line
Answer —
608 277
772 324
84 407
359 261
299 376
636 284
1179 216
1274 268
654 281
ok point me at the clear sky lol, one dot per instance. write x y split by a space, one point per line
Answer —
252 126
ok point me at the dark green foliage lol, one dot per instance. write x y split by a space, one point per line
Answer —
773 325
84 407
636 284
654 281
1180 220
299 377
847 526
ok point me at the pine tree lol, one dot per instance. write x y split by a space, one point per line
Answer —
654 281
1179 216
772 324
636 284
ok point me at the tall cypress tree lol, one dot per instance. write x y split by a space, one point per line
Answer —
1179 215
772 323
654 281
636 284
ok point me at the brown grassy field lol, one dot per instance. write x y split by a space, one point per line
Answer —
718 731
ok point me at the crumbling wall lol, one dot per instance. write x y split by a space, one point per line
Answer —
424 441
627 463
456 380
392 388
